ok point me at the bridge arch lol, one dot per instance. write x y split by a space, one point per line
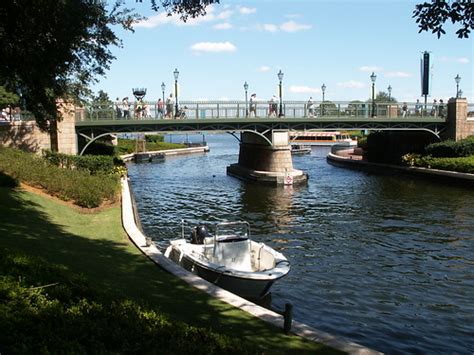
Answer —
92 140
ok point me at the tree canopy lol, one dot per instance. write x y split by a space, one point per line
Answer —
55 49
433 16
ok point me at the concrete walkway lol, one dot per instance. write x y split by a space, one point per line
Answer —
152 252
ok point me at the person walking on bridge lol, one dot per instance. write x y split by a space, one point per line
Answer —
253 105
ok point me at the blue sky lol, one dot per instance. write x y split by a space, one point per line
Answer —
338 43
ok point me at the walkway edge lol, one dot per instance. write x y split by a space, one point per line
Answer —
152 252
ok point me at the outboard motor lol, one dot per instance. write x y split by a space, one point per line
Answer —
198 234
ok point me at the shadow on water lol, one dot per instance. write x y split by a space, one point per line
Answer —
113 266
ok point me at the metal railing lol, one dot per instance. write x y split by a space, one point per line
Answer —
291 109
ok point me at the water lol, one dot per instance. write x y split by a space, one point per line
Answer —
385 261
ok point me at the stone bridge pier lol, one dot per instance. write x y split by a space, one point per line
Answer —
266 158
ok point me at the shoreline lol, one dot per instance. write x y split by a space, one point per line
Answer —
345 159
154 254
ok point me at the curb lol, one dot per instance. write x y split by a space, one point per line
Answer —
152 252
451 176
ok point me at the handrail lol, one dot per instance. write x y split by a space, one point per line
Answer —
291 109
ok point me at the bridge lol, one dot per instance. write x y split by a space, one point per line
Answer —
233 116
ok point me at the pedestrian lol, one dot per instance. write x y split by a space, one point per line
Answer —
273 103
253 105
118 108
139 109
169 106
125 107
310 107
146 110
441 108
404 110
434 108
160 105
418 107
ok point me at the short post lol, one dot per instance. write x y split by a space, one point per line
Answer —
148 241
287 317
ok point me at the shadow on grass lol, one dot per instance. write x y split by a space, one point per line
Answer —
113 265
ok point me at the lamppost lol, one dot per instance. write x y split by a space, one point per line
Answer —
163 87
457 79
323 89
280 77
176 74
389 93
373 77
246 88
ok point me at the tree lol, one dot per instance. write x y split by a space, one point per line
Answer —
55 49
383 97
432 16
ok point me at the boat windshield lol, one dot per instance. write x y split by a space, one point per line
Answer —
232 230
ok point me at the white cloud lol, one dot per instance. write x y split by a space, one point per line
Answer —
463 60
351 84
292 26
224 15
270 27
247 10
222 26
368 68
398 74
264 68
214 47
304 90
162 19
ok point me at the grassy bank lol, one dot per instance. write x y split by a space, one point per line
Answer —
96 246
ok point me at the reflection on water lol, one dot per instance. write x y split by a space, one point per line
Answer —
383 260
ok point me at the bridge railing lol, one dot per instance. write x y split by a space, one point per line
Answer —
290 109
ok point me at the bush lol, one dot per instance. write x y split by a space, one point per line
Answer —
94 164
46 309
76 185
128 146
154 138
462 164
451 149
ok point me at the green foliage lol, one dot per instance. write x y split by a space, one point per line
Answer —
76 185
128 146
94 164
383 97
154 138
462 165
432 16
56 49
8 98
362 143
46 309
451 148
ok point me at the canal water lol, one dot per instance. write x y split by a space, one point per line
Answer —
383 260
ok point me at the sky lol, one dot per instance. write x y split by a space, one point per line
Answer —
338 43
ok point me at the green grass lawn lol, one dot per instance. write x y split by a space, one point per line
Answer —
95 245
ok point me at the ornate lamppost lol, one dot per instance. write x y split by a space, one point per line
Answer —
176 74
373 77
280 77
389 93
163 87
457 79
323 90
246 88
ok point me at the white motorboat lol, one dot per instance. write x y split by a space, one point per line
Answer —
230 259
322 138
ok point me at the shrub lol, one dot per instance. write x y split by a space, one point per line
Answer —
452 149
94 164
76 185
154 138
46 309
462 164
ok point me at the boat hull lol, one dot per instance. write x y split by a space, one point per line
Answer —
249 288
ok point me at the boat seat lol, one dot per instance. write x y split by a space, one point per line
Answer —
235 254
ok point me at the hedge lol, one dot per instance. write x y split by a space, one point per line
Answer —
451 148
76 185
462 164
